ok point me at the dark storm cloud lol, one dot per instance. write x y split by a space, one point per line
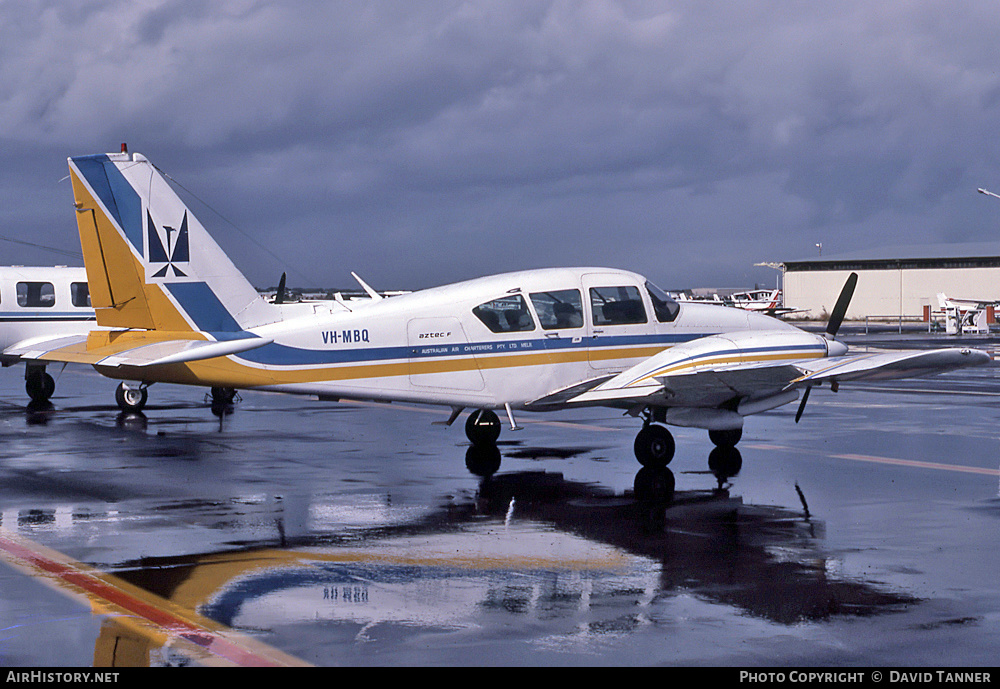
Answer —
425 142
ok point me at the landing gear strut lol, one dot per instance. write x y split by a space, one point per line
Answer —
129 398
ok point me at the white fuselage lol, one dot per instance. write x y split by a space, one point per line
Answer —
438 346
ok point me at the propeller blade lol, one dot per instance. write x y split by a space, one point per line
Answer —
840 309
802 404
279 296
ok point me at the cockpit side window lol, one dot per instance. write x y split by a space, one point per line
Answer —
616 305
507 314
664 306
558 309
36 294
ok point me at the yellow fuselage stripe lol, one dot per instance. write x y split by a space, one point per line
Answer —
232 372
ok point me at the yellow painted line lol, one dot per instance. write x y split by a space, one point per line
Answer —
149 615
920 465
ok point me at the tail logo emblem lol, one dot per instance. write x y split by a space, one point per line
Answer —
176 247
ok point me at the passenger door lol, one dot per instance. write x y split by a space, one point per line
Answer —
439 356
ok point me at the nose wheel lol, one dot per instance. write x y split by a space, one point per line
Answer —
483 427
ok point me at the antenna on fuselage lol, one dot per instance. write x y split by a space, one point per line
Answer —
371 293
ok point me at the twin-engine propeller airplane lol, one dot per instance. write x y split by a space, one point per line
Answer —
176 310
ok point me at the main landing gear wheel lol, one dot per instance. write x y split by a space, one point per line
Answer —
726 438
223 395
39 385
130 399
483 427
654 446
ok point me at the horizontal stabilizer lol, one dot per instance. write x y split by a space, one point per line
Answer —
180 351
136 351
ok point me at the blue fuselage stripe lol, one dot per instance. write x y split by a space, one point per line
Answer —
284 355
42 316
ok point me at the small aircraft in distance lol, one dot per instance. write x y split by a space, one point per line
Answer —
174 309
966 316
766 301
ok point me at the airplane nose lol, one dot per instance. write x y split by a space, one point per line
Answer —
835 348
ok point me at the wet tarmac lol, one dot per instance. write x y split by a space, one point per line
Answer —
287 531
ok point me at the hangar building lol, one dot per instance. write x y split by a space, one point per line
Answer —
894 281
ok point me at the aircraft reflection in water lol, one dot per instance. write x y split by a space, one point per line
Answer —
579 560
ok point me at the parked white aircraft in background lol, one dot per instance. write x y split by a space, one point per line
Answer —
177 311
39 303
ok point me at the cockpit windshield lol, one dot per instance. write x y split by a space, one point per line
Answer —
664 306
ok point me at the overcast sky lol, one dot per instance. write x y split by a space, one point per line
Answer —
422 142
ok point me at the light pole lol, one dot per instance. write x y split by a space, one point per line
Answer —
988 193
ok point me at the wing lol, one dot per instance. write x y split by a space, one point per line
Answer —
888 365
749 373
130 348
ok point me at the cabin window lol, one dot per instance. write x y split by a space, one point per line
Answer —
616 305
664 306
79 293
559 309
35 294
505 315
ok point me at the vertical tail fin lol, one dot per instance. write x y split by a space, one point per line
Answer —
150 262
